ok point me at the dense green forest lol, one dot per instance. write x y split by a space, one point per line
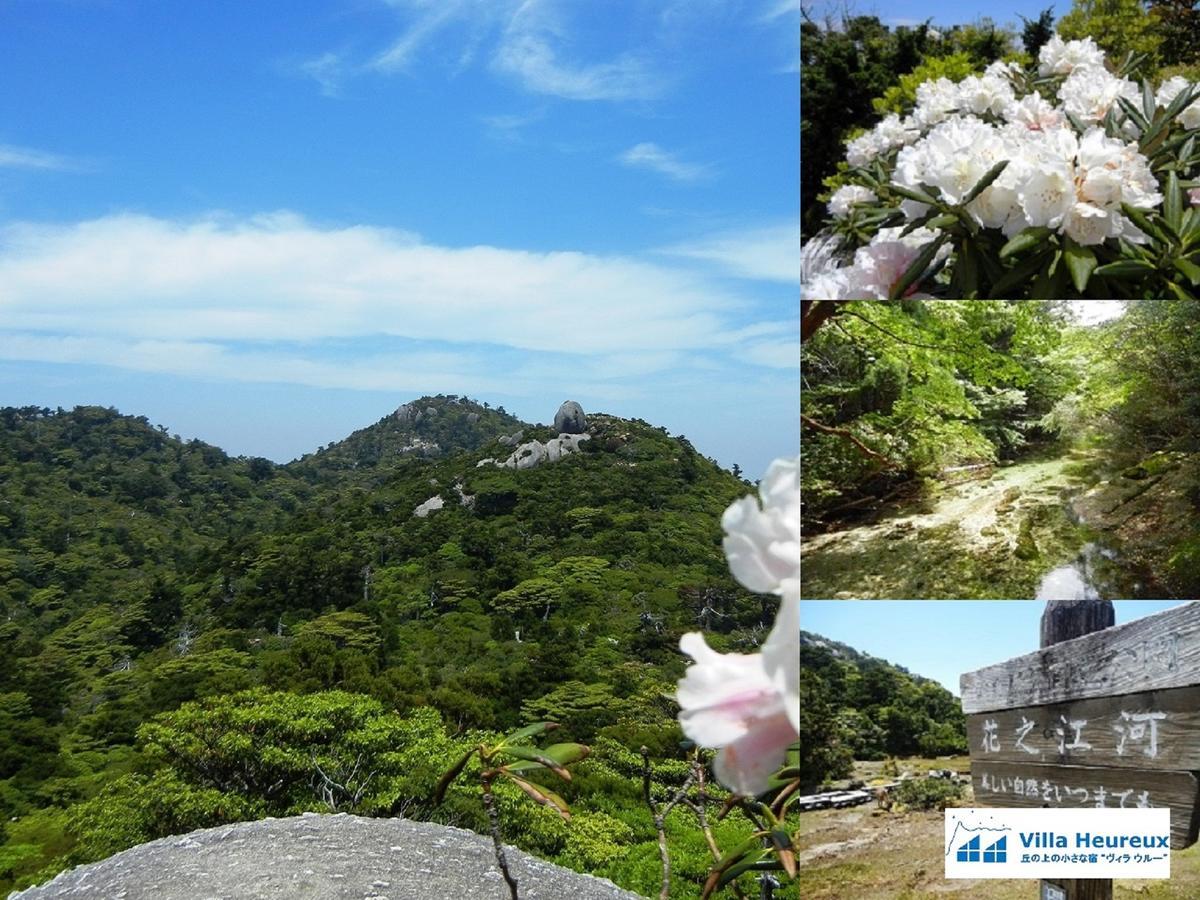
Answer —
1000 449
192 639
854 706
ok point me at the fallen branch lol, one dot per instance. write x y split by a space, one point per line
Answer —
848 435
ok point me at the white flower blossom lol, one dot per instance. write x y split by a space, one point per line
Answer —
1035 113
846 196
745 705
876 268
748 705
762 543
1089 94
1059 57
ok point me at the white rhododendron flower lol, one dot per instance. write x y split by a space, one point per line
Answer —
762 543
1169 90
745 705
953 157
1089 94
846 196
891 132
1035 113
1067 157
876 268
1059 57
748 705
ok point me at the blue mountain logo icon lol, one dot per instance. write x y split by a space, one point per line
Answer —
996 852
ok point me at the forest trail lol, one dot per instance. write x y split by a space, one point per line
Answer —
1012 535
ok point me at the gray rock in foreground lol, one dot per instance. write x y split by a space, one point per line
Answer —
313 856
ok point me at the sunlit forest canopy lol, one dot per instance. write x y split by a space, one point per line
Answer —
1037 429
188 635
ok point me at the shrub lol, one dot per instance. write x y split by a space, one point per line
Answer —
928 793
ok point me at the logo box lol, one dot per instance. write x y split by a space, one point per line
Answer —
1058 843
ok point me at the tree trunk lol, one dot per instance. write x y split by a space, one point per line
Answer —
1062 621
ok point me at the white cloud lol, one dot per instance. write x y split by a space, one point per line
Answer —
276 298
12 157
769 253
530 57
328 71
651 156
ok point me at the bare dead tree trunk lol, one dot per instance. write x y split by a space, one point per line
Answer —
489 804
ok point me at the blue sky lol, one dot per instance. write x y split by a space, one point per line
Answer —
941 639
268 224
942 12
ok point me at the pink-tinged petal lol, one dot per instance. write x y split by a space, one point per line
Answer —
762 543
722 693
781 658
746 765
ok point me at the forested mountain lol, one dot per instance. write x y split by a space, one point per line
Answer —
855 706
139 573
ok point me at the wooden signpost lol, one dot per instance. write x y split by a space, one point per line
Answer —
1109 718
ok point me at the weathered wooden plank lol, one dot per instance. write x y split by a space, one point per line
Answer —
1154 653
1152 730
1009 785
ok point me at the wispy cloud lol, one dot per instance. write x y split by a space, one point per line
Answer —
769 253
13 157
508 126
273 298
526 41
656 159
537 65
327 70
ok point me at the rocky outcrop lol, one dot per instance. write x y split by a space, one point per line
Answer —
511 440
431 505
534 453
570 418
321 856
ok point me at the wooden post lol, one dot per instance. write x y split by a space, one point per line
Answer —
1062 621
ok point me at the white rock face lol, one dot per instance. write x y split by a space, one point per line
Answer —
534 453
433 503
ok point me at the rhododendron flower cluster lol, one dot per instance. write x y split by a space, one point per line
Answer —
748 704
978 163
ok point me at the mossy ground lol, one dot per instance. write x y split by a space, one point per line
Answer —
995 538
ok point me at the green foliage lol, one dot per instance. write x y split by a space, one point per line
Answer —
192 638
857 707
900 98
1118 27
1037 31
926 386
928 793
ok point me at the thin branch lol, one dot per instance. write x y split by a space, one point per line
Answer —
489 803
896 337
849 435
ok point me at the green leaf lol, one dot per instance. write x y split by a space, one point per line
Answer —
1019 274
1189 269
1142 221
1132 112
985 182
527 731
1148 102
1081 261
1125 268
1173 203
1075 123
542 795
1179 292
943 221
917 267
444 782
915 194
1182 99
965 283
556 757
1033 236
